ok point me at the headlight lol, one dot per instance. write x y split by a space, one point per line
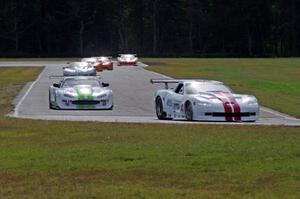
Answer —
70 95
101 96
68 70
251 101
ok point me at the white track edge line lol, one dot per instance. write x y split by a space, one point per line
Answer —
16 111
277 113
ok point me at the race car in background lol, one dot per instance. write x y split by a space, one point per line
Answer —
203 100
127 59
92 61
79 69
104 63
80 92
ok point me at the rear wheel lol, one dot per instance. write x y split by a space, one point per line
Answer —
159 109
189 111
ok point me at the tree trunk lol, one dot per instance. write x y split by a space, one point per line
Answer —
191 25
140 25
155 26
293 29
81 37
249 41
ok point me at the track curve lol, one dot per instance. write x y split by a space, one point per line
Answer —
133 98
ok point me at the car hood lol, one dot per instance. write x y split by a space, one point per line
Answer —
221 96
85 90
85 68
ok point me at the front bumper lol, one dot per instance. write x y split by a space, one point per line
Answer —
127 63
103 104
246 114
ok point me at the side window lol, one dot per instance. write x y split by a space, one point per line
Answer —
181 92
179 89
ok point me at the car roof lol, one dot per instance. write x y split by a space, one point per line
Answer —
103 57
89 59
127 54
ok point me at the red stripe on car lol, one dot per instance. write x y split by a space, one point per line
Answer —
226 105
236 106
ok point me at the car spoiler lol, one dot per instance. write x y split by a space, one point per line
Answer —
172 81
62 77
165 81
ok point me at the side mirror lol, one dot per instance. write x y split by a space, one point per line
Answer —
56 85
105 84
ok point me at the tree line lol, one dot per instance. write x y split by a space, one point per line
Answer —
192 28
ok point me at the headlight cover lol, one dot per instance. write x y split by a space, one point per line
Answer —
251 101
70 95
101 96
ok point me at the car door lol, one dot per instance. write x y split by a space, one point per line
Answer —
177 99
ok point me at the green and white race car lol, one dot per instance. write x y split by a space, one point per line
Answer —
81 92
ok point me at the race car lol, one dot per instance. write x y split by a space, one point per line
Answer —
80 92
203 100
127 59
79 69
104 63
91 60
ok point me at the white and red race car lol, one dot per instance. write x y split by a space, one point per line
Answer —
127 59
203 100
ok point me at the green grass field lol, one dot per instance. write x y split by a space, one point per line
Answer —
275 82
47 159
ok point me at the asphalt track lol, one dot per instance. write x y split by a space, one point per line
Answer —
133 98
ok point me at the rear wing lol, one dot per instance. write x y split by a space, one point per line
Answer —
61 77
165 81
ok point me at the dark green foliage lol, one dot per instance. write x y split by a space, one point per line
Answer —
197 28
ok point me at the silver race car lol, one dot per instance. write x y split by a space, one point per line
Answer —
204 100
80 92
127 59
91 60
79 69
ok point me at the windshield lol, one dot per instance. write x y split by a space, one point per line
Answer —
78 64
128 56
69 83
104 59
197 87
90 60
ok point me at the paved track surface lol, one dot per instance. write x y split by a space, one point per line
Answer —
133 98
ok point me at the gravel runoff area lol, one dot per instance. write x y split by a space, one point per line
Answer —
133 98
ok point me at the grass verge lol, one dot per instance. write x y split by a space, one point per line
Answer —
47 159
38 59
275 82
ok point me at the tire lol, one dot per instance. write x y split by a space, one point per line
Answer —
50 106
189 111
159 109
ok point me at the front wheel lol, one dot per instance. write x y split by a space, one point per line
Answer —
189 111
161 115
50 104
